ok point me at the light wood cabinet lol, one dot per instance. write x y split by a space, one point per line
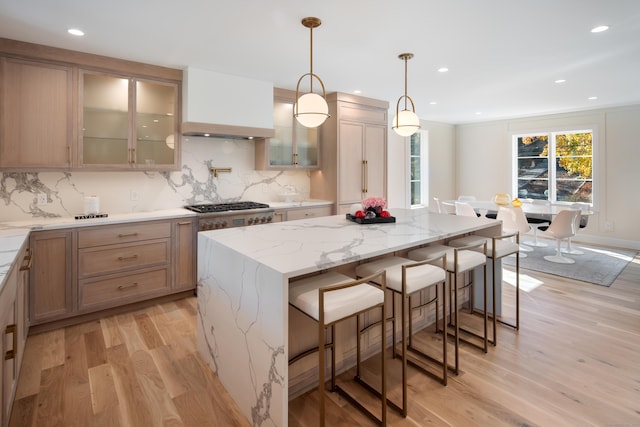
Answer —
127 122
13 328
51 293
308 212
293 145
121 264
185 232
84 270
354 155
66 110
36 115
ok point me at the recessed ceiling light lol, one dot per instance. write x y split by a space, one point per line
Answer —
357 91
443 69
559 81
433 103
75 32
592 98
600 29
478 113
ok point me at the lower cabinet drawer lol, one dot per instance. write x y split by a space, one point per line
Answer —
122 290
114 258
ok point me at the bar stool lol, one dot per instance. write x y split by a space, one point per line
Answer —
498 247
406 277
329 298
459 260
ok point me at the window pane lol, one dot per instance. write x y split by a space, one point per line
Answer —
415 144
574 167
533 188
574 144
415 193
533 168
415 168
574 191
533 146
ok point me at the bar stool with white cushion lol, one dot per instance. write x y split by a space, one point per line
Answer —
408 278
329 298
458 261
503 247
562 227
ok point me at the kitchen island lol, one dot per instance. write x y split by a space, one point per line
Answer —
243 285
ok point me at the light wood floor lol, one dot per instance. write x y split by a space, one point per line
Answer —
574 362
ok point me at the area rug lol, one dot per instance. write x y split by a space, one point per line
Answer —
598 265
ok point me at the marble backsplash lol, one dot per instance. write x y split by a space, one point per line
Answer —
65 191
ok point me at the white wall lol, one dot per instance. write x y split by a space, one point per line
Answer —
483 165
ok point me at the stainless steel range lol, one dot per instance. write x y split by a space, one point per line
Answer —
213 216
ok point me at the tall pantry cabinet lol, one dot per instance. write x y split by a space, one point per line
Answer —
354 151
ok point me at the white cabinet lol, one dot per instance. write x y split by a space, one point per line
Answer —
354 151
293 145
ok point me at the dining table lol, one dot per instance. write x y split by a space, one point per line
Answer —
529 208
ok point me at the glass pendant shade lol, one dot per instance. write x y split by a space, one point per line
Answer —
311 110
406 123
170 141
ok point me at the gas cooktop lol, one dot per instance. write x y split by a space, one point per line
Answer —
223 207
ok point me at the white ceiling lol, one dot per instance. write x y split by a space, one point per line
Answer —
503 55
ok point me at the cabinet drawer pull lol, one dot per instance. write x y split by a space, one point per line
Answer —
27 261
184 223
127 258
128 235
123 287
11 354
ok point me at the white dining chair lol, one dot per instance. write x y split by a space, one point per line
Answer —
465 209
580 222
537 223
562 227
513 219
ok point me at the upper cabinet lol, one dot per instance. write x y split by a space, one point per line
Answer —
293 146
65 110
127 122
36 114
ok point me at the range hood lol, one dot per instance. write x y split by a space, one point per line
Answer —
224 106
213 130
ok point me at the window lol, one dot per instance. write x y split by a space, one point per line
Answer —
555 166
418 175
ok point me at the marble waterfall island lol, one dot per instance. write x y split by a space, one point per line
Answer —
243 286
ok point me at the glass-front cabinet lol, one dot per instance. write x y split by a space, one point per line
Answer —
127 122
293 145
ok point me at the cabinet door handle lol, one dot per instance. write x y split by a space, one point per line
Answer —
127 258
69 154
366 176
133 155
27 261
11 354
295 159
128 235
123 287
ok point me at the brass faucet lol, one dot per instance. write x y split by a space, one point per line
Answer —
216 170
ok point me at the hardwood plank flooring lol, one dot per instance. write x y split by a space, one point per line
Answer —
574 362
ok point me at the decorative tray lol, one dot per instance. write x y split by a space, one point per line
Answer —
375 220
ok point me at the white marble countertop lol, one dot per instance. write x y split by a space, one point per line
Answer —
13 234
303 246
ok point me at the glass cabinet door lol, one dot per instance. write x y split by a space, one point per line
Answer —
105 120
128 122
155 123
281 145
293 144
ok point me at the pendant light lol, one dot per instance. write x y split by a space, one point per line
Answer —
311 109
406 122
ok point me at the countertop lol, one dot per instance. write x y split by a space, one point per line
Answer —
303 246
15 233
301 204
